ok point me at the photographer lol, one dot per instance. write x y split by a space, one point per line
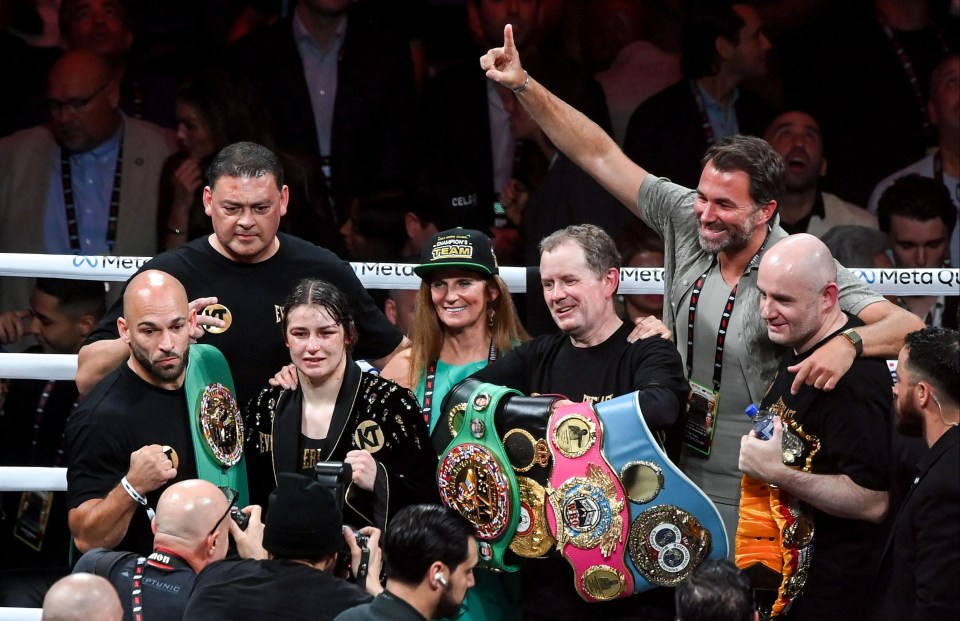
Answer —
286 572
190 532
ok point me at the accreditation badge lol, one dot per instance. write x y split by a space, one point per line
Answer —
220 424
33 514
701 418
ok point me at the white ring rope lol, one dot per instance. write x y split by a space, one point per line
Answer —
937 281
21 614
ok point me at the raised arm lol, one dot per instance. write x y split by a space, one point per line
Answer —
579 138
103 522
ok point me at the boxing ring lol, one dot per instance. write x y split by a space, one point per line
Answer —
941 281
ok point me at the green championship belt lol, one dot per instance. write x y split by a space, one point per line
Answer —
215 421
476 479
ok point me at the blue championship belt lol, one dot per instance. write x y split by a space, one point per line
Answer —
674 527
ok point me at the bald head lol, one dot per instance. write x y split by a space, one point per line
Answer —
188 510
156 324
84 98
82 597
152 287
802 258
797 283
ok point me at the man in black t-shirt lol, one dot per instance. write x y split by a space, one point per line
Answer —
591 360
238 277
192 531
116 464
829 454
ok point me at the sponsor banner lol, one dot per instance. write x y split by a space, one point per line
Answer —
649 280
77 267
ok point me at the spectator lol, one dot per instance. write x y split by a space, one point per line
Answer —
944 164
913 584
918 217
639 246
35 544
723 45
858 246
803 208
214 110
191 530
81 597
349 93
87 184
286 567
431 554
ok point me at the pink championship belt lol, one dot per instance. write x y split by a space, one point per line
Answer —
586 508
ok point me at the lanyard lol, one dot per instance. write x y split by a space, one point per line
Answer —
38 423
724 320
704 117
908 68
137 591
431 377
71 209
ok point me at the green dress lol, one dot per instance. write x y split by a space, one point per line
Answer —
496 595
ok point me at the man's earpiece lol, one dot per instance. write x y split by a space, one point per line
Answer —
439 578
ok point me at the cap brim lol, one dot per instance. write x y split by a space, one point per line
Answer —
426 268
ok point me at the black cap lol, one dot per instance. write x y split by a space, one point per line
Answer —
303 520
465 249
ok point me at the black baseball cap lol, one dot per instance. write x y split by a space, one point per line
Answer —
466 249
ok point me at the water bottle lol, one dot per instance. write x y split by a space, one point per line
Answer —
762 421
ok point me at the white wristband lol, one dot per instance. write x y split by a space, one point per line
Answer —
133 493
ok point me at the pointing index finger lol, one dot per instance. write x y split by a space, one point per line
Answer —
509 47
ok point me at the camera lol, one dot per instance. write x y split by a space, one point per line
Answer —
336 476
238 516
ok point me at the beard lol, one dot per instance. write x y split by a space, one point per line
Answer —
447 607
164 374
909 422
737 237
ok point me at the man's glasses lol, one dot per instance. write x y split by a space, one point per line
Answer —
232 497
75 104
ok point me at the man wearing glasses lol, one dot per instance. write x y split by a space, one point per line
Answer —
87 182
191 530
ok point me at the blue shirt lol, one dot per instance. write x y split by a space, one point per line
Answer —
320 71
723 118
92 173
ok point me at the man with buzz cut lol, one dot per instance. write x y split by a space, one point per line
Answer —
819 486
116 438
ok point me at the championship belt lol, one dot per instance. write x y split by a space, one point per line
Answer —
586 506
476 480
675 526
521 424
215 421
774 544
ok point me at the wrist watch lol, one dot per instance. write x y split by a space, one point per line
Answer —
855 340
